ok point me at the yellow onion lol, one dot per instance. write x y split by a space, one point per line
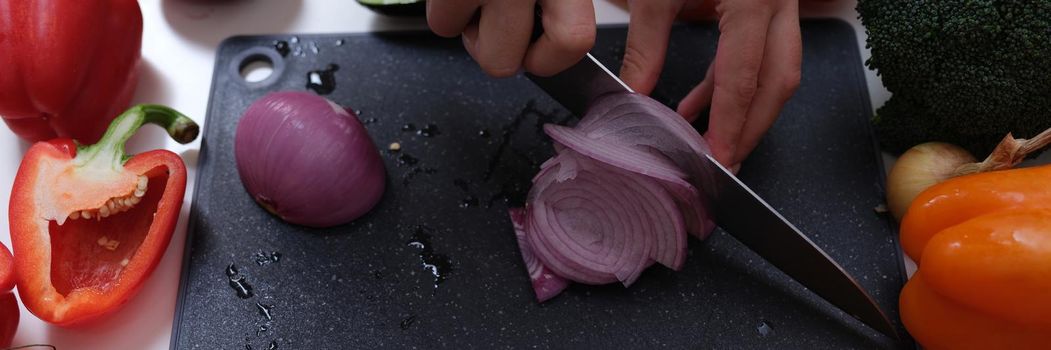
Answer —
919 168
929 163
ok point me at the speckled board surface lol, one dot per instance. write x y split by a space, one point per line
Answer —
469 153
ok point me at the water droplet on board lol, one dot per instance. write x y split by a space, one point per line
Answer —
484 133
264 310
241 286
407 322
406 159
438 265
509 130
273 345
764 328
231 270
339 42
263 259
295 39
428 130
262 329
282 47
323 82
408 127
313 48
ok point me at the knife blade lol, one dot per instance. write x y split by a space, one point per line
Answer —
736 208
757 225
580 84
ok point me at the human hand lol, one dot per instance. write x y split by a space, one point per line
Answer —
496 33
756 67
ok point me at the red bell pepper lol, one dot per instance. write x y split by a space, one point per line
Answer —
89 224
8 304
67 67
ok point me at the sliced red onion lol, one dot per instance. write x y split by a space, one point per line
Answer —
627 158
637 120
595 223
620 194
633 120
308 160
643 161
546 284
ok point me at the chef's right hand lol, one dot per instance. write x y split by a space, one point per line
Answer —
496 33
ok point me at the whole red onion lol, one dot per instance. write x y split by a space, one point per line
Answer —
308 160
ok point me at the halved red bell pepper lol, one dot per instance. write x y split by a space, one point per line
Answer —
89 224
67 67
8 304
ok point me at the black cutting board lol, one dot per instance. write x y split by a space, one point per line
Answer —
363 285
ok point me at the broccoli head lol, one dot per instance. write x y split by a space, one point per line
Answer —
960 71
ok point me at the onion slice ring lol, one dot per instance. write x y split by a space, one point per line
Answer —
546 284
595 223
620 194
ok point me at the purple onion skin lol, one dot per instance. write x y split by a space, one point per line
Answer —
308 160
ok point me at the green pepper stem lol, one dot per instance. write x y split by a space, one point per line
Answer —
110 148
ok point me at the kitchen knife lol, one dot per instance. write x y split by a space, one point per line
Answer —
736 208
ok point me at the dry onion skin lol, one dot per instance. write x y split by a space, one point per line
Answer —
308 160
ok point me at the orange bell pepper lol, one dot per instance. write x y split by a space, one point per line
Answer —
956 200
983 245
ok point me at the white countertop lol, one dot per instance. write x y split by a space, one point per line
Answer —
179 43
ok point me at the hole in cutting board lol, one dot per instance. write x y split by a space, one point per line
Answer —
255 69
